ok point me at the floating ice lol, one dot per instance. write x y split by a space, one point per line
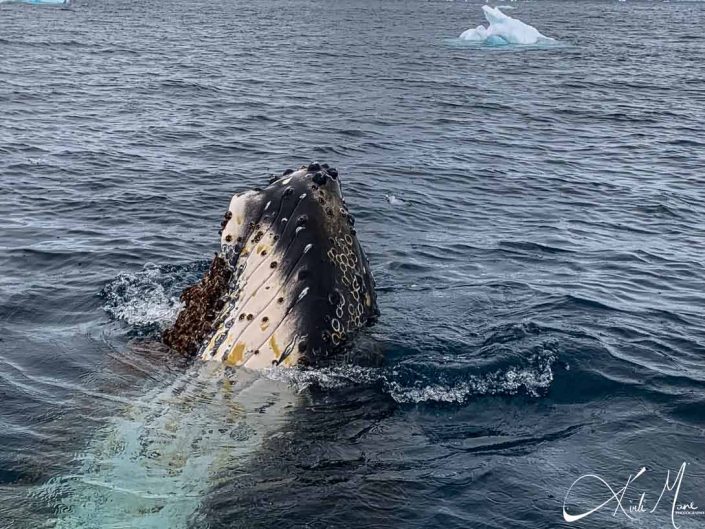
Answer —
502 30
394 201
44 2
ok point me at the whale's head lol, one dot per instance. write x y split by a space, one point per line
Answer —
291 283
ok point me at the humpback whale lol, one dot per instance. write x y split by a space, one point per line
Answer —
291 283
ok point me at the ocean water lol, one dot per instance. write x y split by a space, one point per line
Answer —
534 216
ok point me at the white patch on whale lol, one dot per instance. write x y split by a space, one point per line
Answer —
238 210
258 328
302 295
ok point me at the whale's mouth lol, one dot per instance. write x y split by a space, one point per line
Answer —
291 283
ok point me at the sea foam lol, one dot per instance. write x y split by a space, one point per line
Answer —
502 30
142 298
531 377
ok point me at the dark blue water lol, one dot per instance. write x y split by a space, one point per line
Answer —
534 216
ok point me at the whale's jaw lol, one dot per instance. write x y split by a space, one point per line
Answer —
291 283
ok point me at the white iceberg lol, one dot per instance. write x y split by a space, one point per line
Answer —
43 2
394 201
503 29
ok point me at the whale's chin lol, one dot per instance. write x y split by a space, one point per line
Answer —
291 283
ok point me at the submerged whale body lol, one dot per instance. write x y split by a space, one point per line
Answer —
291 283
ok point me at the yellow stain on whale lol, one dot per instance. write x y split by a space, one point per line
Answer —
275 347
236 355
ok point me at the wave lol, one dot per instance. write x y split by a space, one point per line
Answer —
409 385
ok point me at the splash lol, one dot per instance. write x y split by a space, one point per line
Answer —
532 379
148 298
503 30
407 386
